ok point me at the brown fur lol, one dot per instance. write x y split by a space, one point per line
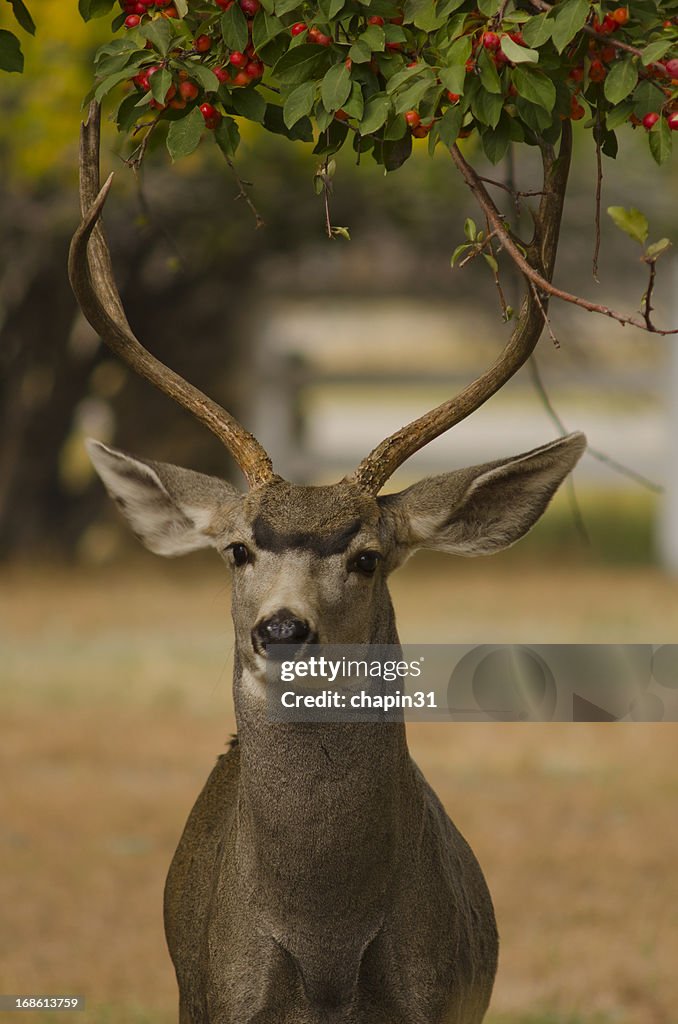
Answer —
318 879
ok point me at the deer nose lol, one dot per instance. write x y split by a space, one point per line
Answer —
282 628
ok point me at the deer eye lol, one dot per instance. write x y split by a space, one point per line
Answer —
241 554
367 562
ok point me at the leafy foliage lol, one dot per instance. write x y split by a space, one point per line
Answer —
11 56
349 71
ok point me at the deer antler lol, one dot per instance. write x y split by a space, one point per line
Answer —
91 275
382 462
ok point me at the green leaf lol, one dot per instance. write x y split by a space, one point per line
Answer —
470 229
655 51
375 38
273 122
205 76
94 8
495 141
301 63
449 125
631 221
248 103
110 82
487 107
532 116
227 136
537 30
323 118
396 128
332 139
518 54
459 251
144 100
660 141
646 99
489 76
127 113
184 135
355 104
182 7
360 52
403 76
621 80
108 64
11 57
423 14
657 249
127 42
23 17
265 27
395 153
159 33
490 260
571 17
335 87
534 86
376 111
447 7
160 82
410 98
234 28
453 75
489 7
619 114
299 103
610 145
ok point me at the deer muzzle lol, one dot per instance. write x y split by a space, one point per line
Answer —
283 627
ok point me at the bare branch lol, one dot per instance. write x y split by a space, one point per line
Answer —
259 221
547 322
647 298
490 210
607 460
599 186
507 188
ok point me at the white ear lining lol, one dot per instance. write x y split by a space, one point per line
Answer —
165 527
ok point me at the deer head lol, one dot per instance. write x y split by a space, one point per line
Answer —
310 564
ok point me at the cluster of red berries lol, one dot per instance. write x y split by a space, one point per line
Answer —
650 120
602 56
314 33
135 10
248 7
241 68
320 38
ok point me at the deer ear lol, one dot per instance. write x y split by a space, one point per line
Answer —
483 509
169 509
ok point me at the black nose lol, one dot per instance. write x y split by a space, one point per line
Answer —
282 628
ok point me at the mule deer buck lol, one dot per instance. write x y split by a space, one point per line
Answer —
318 878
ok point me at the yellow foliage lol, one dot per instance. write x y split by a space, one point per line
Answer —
42 109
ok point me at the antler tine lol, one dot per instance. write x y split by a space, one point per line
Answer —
91 275
382 462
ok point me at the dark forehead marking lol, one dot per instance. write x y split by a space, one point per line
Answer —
324 544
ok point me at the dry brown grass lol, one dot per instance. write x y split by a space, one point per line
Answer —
115 701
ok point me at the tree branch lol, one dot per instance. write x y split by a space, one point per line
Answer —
537 278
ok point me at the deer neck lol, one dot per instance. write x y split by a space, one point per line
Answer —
321 809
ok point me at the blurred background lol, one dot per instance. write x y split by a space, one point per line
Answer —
115 667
